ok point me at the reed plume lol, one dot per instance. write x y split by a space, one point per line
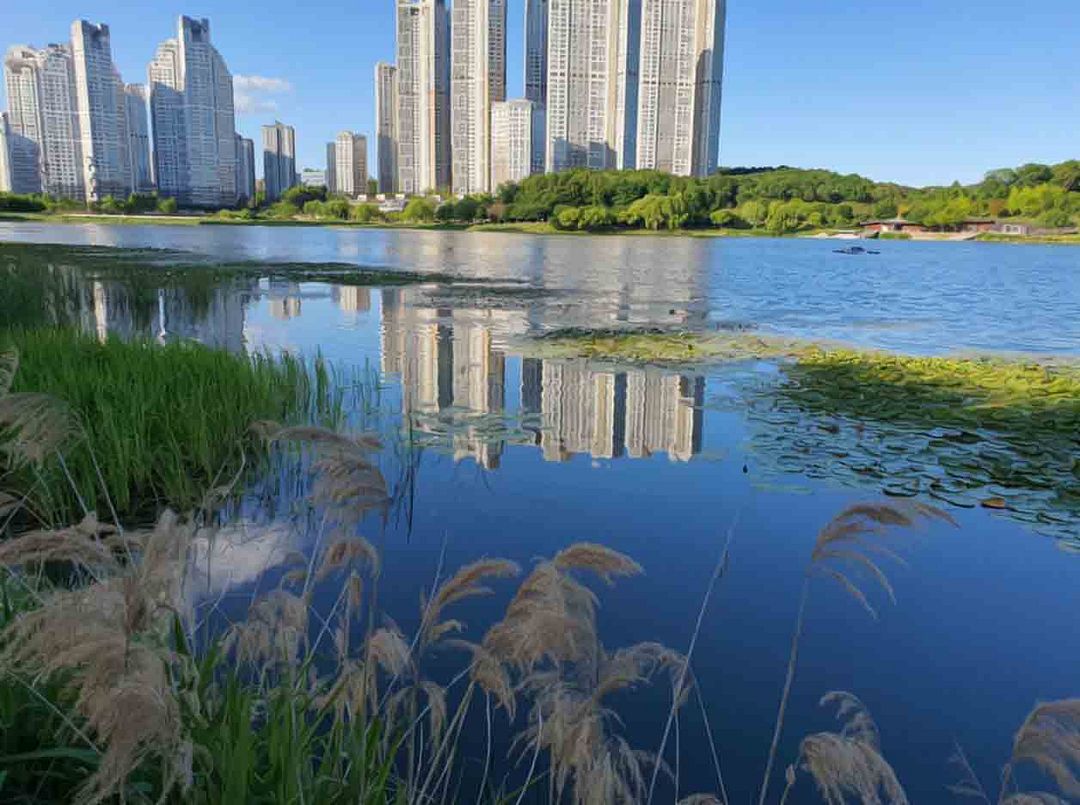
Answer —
347 552
466 583
847 542
848 763
32 426
1049 739
275 631
81 545
108 643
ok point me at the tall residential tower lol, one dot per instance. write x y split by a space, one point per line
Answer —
44 143
680 85
350 174
591 83
138 127
477 79
193 120
102 108
423 87
536 50
386 130
279 159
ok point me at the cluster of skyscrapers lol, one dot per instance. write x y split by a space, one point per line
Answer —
75 130
609 84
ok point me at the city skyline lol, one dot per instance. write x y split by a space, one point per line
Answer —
866 112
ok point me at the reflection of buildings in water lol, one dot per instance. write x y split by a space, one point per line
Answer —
284 300
451 374
350 299
612 414
215 318
453 377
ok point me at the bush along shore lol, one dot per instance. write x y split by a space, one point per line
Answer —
1039 200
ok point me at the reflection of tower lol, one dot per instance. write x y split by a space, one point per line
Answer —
584 411
351 299
284 300
607 414
452 376
664 415
101 312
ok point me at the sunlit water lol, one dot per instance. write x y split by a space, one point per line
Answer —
520 456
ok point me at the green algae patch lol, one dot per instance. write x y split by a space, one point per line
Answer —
664 348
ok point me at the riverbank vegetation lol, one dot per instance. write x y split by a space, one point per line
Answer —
768 201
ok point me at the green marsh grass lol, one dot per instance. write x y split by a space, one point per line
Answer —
157 425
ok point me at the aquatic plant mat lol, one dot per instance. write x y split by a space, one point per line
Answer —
1002 433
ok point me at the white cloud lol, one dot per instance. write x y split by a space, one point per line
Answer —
253 94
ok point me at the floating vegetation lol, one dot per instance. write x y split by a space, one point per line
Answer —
992 432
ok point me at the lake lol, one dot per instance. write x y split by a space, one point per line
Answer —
500 450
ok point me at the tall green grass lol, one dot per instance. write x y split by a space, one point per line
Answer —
155 425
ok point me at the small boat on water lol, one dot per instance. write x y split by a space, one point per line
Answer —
855 250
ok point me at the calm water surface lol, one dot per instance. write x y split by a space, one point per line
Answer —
519 456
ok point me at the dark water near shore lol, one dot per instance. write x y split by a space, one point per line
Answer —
518 456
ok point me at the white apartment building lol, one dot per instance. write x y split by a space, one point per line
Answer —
517 141
680 85
350 173
279 159
193 119
477 79
423 88
245 170
138 127
536 50
386 136
591 83
5 156
44 143
102 108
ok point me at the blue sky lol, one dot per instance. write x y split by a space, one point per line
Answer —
919 91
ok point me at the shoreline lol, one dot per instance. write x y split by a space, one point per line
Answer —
519 228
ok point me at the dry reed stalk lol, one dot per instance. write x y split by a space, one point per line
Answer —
849 763
1049 739
79 544
846 542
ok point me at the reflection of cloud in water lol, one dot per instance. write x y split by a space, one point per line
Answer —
236 555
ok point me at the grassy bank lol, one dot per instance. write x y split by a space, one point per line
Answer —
151 425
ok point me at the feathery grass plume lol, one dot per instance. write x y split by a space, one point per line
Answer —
320 437
604 562
275 631
968 785
637 665
108 643
1037 798
345 552
849 763
80 544
466 583
9 504
32 426
387 648
1049 739
700 799
846 542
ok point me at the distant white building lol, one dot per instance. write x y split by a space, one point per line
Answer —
193 119
102 109
279 160
138 127
245 170
5 156
592 52
477 79
386 127
680 85
517 141
43 124
350 164
423 88
310 177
